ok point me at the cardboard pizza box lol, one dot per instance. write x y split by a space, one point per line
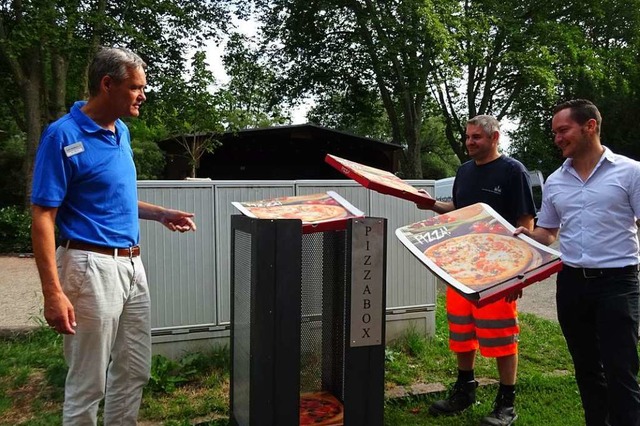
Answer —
474 251
379 180
318 212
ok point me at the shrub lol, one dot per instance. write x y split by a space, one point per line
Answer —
15 230
167 374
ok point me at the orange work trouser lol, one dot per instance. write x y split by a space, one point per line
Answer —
493 328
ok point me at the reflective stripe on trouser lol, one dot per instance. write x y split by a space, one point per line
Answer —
110 355
493 328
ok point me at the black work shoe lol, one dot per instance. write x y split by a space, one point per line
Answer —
462 396
500 416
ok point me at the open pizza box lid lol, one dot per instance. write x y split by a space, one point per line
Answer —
474 251
318 212
379 180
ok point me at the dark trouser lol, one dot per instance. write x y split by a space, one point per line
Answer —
599 319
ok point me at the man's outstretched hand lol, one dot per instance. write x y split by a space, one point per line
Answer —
177 220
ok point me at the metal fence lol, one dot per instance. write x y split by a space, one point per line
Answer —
189 274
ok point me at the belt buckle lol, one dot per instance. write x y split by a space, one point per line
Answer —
597 274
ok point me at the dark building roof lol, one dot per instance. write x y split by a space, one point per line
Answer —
281 153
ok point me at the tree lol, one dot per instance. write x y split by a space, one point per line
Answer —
500 53
249 99
48 44
194 110
357 109
188 111
594 51
148 157
438 159
361 112
337 45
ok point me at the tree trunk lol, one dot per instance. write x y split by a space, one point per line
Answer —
31 89
59 67
412 160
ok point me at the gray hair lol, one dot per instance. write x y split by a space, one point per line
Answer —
488 123
112 61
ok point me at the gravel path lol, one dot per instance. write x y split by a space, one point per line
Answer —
21 300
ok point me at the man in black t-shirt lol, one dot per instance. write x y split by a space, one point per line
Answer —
502 183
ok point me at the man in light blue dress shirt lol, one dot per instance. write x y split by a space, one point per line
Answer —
592 202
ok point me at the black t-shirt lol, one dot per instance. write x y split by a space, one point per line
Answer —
503 184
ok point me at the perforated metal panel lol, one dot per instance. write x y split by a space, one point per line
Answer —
242 332
323 320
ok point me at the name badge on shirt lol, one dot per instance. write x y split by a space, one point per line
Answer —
73 149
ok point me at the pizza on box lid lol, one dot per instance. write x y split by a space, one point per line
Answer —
318 212
379 180
473 250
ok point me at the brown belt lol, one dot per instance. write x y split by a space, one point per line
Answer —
79 245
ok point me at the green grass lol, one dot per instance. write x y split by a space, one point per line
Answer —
195 389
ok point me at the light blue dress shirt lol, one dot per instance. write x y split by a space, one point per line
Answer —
596 217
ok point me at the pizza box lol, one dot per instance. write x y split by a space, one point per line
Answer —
318 212
474 251
379 180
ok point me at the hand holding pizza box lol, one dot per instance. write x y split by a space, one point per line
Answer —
474 251
318 212
380 180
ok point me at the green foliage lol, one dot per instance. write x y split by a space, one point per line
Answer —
148 157
249 99
594 56
438 159
354 109
12 154
46 46
32 377
167 374
188 111
340 51
15 230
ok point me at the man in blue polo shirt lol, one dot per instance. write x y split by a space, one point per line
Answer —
94 284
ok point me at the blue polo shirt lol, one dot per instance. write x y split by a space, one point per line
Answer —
89 174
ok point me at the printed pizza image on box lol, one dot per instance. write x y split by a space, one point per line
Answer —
320 409
379 180
318 212
473 250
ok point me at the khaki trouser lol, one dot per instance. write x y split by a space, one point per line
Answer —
110 355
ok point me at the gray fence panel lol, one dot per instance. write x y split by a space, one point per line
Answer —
180 267
189 274
226 193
